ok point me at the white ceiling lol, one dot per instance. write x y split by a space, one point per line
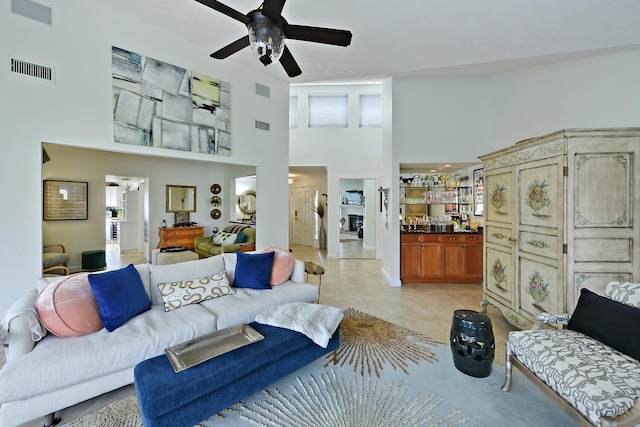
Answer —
413 37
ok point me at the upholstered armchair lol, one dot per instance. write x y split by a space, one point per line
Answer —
205 246
54 260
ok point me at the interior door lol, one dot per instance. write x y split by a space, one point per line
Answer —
303 215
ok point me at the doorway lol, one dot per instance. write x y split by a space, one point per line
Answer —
304 223
127 217
357 220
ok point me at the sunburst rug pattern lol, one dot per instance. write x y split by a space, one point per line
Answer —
382 375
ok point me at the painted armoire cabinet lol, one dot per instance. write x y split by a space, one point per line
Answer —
559 217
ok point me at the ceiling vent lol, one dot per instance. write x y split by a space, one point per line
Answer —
30 69
262 125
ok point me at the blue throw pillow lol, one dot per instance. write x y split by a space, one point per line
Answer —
253 270
241 238
120 296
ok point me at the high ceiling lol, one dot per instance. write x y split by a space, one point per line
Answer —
413 37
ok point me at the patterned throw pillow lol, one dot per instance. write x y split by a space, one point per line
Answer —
194 291
224 238
624 292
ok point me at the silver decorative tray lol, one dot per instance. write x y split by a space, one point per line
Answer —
201 349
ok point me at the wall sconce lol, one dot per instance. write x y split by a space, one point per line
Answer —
384 201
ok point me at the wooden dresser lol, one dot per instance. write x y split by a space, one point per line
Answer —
179 236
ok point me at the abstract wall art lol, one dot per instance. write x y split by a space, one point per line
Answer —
156 104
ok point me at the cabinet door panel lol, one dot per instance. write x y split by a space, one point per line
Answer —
499 276
541 198
541 288
431 260
472 260
499 235
411 254
452 260
603 190
603 250
500 195
595 282
540 244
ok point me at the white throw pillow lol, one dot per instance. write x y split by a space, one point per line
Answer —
224 238
193 291
176 272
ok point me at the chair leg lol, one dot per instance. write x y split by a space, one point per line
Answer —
508 367
51 420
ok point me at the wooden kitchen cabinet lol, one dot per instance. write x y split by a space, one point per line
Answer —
179 236
441 258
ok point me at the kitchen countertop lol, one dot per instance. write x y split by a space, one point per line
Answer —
440 232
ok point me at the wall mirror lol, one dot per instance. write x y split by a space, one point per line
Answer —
181 198
247 203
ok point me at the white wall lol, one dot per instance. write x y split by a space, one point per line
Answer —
351 152
457 118
601 91
76 110
78 164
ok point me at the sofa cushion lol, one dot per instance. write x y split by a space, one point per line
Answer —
610 322
283 263
223 238
120 296
67 307
246 304
593 378
624 292
253 270
194 291
180 271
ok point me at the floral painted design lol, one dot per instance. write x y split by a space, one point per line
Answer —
538 196
498 198
497 271
538 244
538 289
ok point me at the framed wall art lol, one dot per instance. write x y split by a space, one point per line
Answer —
64 200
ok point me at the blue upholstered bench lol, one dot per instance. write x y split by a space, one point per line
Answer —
174 399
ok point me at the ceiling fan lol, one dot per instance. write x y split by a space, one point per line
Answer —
267 32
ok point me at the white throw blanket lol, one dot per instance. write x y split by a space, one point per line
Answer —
23 307
316 321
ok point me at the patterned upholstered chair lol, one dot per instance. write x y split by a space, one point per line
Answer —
54 260
591 368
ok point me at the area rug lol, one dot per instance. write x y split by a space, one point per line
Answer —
381 375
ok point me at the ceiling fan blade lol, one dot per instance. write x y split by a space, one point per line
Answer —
222 8
289 64
232 48
272 9
318 35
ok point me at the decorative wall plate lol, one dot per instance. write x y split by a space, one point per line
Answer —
215 201
216 189
216 214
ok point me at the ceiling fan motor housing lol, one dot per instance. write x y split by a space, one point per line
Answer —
266 38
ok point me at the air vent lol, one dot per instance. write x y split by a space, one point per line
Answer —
30 69
262 125
263 90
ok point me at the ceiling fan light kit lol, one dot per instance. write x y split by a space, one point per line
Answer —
265 38
267 33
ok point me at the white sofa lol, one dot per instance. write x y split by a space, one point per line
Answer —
54 373
592 368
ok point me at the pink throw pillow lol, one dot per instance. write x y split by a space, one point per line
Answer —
68 308
282 268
